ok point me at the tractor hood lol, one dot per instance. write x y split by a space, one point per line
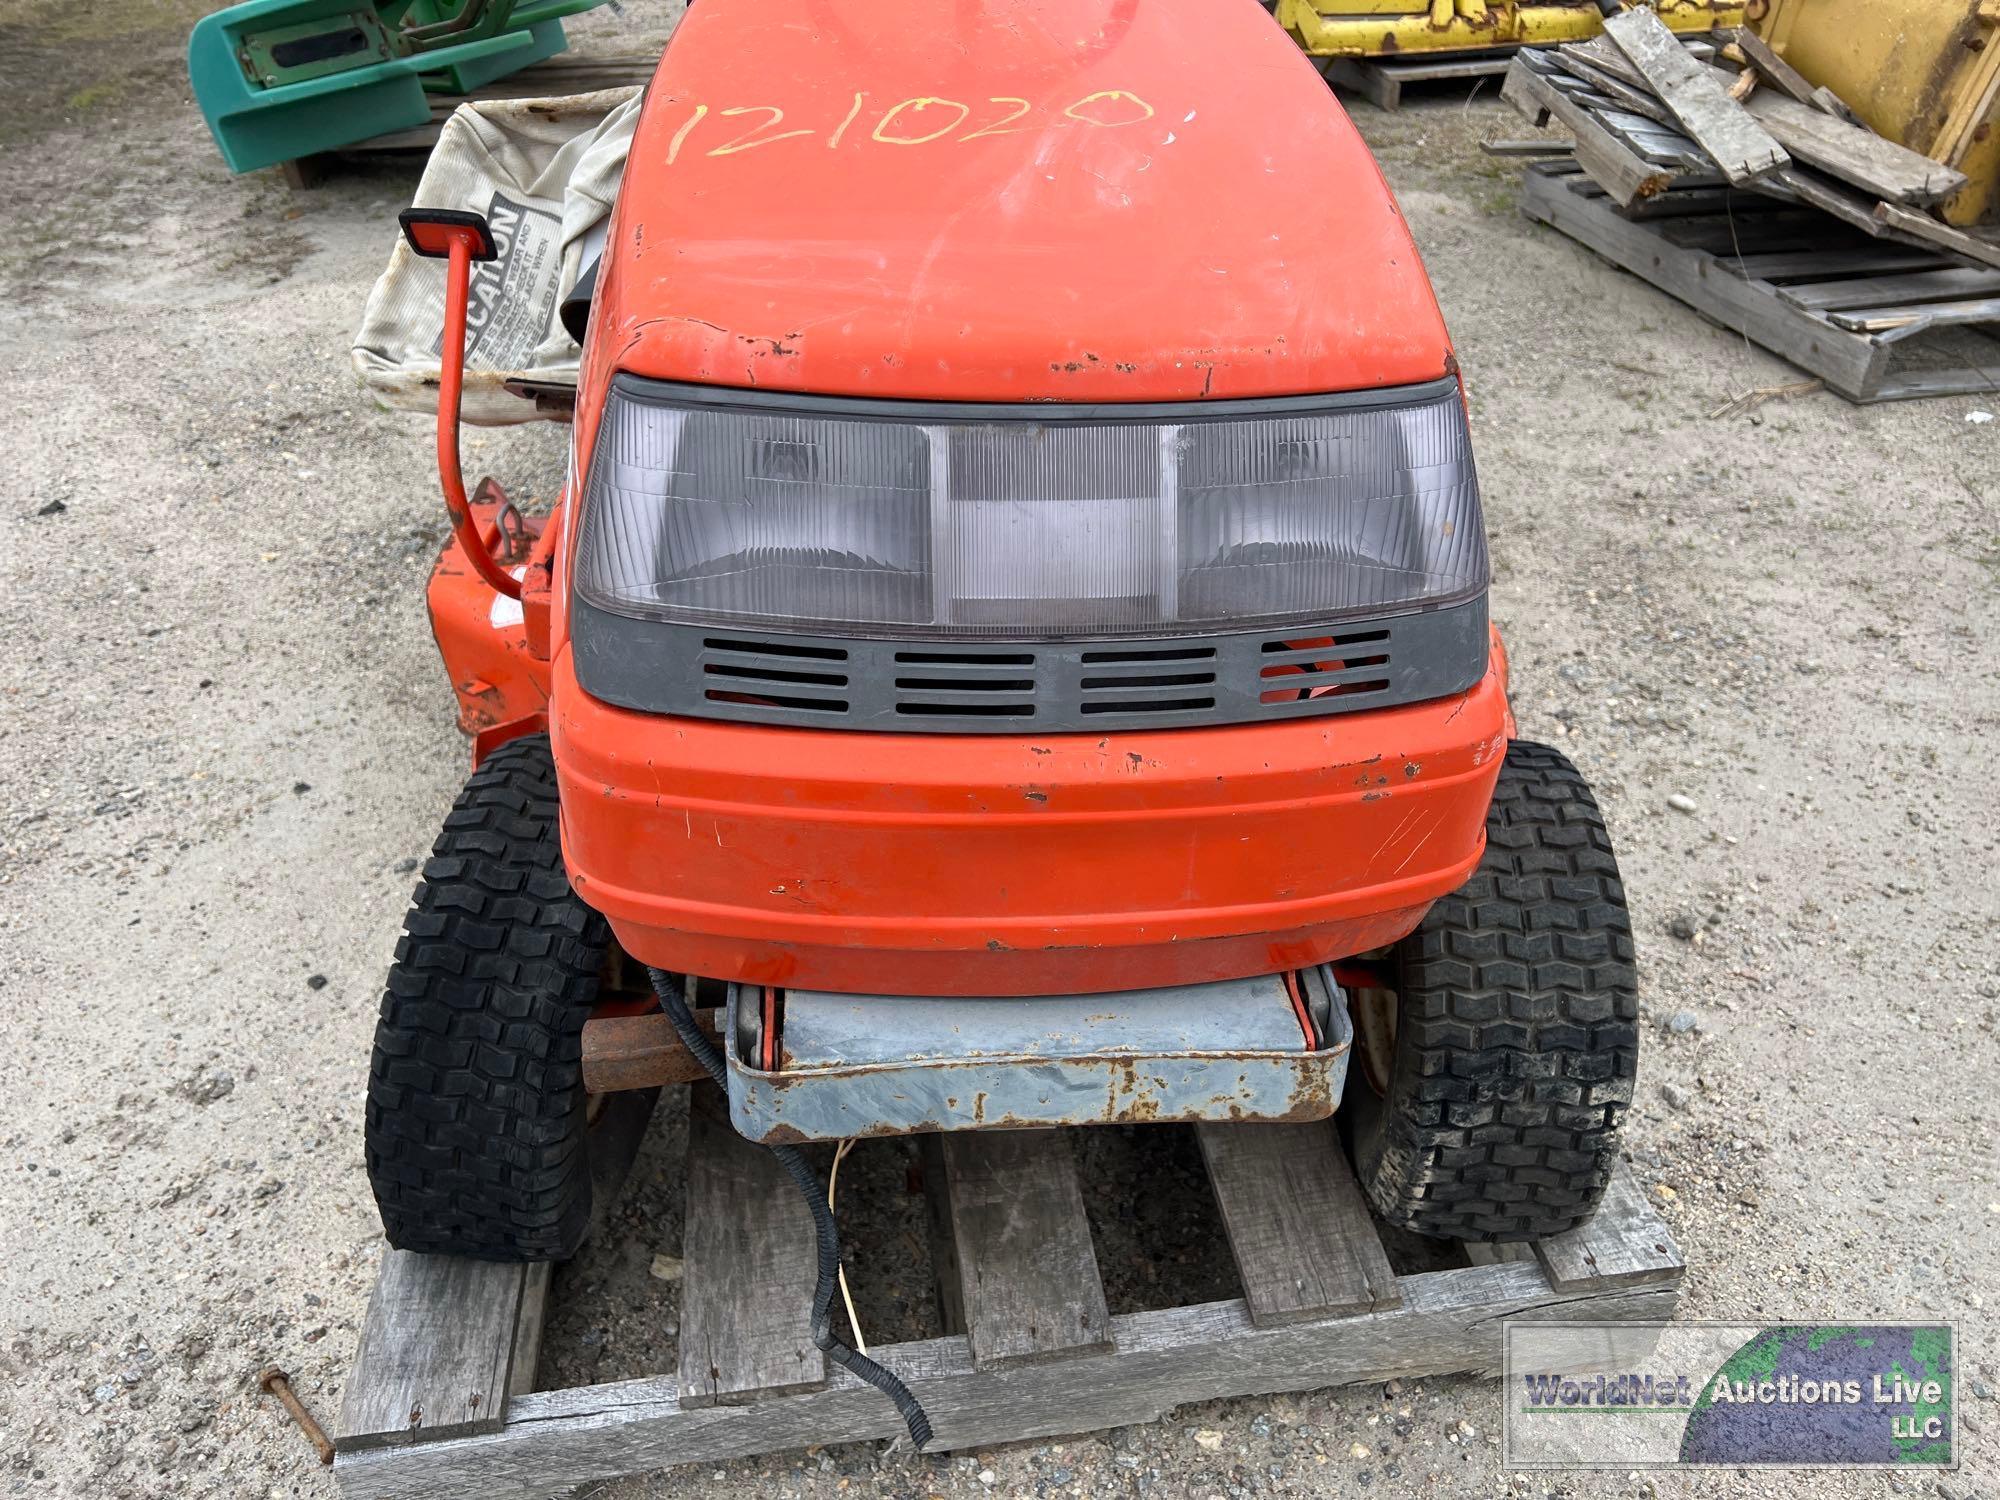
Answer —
1006 200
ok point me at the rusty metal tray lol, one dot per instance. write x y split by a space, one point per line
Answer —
867 1065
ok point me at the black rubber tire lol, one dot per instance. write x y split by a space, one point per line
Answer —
475 1120
1517 1029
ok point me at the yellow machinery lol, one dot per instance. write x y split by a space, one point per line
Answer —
1401 28
1922 72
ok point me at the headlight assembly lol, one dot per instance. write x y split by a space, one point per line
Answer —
902 520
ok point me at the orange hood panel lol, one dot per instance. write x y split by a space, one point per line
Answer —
1006 200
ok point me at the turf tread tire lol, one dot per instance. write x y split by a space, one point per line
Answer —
1517 1029
475 1117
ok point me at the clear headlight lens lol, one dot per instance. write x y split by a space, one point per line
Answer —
1034 528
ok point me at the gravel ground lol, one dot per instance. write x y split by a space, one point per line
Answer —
225 742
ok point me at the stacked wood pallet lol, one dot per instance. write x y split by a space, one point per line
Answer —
1660 134
1647 117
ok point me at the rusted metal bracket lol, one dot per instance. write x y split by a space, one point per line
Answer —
638 1052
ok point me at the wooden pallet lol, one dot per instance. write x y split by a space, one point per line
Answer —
1833 300
1381 80
441 1399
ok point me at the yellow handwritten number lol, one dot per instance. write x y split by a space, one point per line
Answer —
853 110
756 136
881 131
1107 108
674 145
1103 102
1000 126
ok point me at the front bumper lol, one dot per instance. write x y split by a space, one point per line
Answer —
1001 865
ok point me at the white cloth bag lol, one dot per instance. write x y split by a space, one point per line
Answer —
545 172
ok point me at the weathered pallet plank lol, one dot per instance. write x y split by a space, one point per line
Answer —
1690 203
944 1247
1029 1287
1729 233
1892 221
1853 153
748 1268
1793 264
529 1325
1917 385
1626 115
1478 1253
1550 147
1951 284
1829 197
1739 146
1982 246
1298 1226
436 1352
1894 324
446 1340
1599 52
1450 1322
1614 166
1762 56
1632 97
1967 125
1826 101
1625 1245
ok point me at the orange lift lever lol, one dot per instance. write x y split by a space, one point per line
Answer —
459 239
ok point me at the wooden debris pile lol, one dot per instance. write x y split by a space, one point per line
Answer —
1648 114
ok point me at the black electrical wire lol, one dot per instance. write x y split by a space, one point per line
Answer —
825 1231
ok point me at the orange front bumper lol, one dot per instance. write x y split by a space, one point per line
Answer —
1004 865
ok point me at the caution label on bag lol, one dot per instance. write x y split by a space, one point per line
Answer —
513 296
544 173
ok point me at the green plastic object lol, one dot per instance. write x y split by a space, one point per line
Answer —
282 79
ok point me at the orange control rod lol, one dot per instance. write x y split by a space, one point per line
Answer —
451 380
458 238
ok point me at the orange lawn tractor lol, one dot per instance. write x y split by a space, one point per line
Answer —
1012 649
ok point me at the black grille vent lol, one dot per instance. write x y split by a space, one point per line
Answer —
1304 670
1147 681
788 676
937 682
999 687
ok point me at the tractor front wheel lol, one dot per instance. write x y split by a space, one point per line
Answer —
1494 1074
476 1106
